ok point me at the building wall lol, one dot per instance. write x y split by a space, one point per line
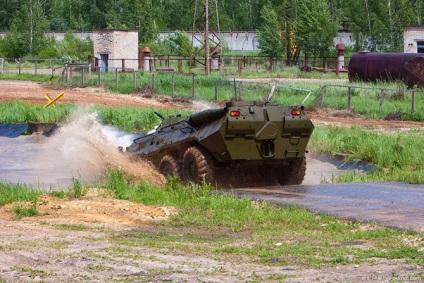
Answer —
412 35
117 45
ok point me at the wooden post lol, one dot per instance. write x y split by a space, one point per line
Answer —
153 83
216 91
99 80
172 84
82 77
271 62
35 67
381 99
116 78
324 90
19 67
235 90
413 101
66 73
180 65
2 65
240 66
349 95
193 86
135 79
240 90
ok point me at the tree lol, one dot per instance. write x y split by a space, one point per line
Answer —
315 29
270 40
137 14
27 31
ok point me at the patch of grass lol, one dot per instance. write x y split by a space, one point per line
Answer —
32 273
21 211
16 111
27 77
217 223
71 227
10 193
399 156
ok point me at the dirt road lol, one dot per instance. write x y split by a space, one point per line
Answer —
81 239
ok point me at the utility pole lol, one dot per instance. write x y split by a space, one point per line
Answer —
205 23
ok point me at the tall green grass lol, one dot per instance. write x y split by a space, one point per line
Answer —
399 156
16 111
17 192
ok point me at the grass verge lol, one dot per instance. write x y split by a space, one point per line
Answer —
224 226
399 155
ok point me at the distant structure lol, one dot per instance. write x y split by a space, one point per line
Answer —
234 40
413 39
116 49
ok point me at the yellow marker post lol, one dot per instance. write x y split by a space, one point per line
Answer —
52 101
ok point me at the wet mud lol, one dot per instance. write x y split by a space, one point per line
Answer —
53 163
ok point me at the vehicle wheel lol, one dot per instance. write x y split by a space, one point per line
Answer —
197 165
169 166
292 174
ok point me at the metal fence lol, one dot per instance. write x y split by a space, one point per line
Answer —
222 65
400 99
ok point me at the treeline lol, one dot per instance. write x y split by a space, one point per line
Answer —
377 25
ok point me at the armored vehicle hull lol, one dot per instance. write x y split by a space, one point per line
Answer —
239 144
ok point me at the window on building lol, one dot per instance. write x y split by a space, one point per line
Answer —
420 46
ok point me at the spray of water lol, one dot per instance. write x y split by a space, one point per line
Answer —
86 147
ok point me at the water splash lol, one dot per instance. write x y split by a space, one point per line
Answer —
85 147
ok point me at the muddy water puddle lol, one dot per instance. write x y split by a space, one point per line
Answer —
29 160
50 164
396 205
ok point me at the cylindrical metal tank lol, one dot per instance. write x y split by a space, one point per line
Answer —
407 67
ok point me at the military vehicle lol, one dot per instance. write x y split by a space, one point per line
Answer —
243 143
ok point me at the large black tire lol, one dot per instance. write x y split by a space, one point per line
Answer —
197 166
292 174
169 166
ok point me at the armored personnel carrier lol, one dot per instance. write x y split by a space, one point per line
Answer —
239 144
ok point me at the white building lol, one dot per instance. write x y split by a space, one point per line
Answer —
413 39
116 49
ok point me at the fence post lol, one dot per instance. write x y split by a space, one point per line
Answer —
52 64
381 99
135 79
235 89
271 62
241 90
99 80
193 85
172 84
324 90
2 65
240 64
153 83
116 78
66 73
180 65
413 101
216 91
82 77
36 67
349 95
19 67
